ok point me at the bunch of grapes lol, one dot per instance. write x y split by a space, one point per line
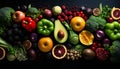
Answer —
15 34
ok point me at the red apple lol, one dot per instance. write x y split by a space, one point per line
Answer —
18 16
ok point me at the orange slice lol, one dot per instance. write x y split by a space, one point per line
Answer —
86 37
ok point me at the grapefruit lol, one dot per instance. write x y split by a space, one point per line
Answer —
59 51
115 13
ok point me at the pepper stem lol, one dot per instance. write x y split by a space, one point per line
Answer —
26 22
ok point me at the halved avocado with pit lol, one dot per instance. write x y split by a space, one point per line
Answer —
60 32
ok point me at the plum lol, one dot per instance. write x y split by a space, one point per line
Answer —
32 54
33 37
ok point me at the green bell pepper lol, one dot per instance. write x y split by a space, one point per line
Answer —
45 27
112 30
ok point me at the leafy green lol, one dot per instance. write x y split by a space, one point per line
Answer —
5 18
79 47
105 11
18 52
94 23
115 51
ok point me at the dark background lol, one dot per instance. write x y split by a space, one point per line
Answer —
50 4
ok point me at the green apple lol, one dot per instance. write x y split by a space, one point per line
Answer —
56 10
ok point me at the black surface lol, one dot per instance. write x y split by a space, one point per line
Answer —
49 4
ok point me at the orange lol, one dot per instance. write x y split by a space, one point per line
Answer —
2 53
86 37
77 23
45 44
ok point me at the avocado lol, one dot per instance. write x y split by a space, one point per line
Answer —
60 32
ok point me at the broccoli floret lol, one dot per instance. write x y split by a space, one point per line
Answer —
33 12
115 51
94 23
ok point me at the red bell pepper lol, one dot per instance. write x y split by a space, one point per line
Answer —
29 24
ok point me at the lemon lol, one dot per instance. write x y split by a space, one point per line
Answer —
86 37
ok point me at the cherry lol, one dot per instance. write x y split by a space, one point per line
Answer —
66 18
94 44
36 19
85 17
59 17
63 7
99 44
93 48
74 14
70 17
63 14
119 20
110 19
65 11
69 13
40 16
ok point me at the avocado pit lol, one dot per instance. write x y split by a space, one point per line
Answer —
61 34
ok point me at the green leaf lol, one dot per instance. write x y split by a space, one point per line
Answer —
100 6
29 6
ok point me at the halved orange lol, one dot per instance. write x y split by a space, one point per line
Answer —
2 53
86 37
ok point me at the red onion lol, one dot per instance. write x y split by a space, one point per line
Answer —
100 34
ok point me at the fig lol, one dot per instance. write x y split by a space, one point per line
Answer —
115 13
88 54
27 44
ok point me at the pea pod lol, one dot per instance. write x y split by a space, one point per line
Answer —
73 37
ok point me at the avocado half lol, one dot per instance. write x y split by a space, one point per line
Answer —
58 27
